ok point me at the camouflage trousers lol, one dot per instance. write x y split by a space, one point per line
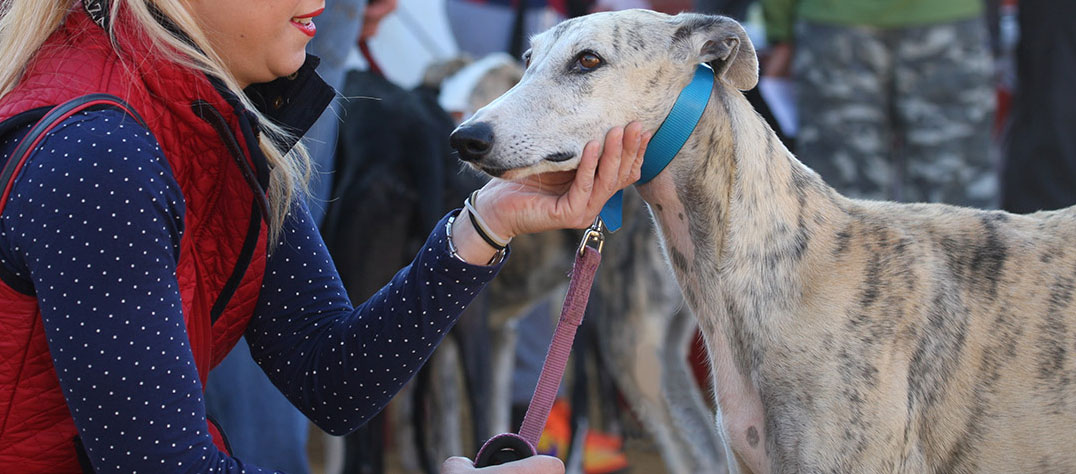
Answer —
898 114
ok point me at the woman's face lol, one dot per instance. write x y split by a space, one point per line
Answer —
259 40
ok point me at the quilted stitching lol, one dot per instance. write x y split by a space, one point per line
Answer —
37 430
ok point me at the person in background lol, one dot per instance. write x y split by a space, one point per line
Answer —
262 426
895 97
1039 167
138 243
736 9
482 27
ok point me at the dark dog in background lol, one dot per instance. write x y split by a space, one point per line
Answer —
395 178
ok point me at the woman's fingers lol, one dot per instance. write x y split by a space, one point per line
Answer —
457 464
532 465
637 167
535 465
579 194
569 199
633 135
608 180
617 167
609 163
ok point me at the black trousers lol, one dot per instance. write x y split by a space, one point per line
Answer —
1039 165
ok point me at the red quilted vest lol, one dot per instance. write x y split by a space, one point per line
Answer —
209 144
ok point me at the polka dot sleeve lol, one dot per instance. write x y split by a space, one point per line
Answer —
94 222
341 365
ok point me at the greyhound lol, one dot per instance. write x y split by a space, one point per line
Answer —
844 335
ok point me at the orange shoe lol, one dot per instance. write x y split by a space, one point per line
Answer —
603 453
558 431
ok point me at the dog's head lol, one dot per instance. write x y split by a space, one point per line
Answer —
592 73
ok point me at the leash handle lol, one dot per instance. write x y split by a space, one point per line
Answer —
508 447
504 448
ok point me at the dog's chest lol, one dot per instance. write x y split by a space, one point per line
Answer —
740 417
671 217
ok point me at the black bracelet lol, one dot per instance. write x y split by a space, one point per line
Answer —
482 233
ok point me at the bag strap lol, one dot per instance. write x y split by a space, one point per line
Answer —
29 143
52 118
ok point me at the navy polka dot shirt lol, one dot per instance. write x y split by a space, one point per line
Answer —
94 222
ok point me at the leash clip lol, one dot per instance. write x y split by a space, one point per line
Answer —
595 235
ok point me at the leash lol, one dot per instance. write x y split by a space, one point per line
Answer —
664 145
507 447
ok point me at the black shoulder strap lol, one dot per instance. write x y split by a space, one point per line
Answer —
26 146
51 119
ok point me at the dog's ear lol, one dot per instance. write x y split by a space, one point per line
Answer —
721 42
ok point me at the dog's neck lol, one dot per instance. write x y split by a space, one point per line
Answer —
736 213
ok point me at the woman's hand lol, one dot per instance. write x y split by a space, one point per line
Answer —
558 200
531 465
566 199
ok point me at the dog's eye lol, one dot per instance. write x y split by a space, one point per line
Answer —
527 59
588 61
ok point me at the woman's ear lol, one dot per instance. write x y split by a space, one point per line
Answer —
723 43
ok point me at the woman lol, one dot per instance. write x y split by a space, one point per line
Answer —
135 248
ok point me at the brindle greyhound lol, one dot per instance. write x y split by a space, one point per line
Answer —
844 335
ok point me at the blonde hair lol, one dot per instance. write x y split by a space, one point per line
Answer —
26 24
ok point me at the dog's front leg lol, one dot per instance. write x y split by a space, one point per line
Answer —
504 351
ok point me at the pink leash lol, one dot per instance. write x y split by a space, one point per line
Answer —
507 447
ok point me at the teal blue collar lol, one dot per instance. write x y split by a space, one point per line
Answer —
669 138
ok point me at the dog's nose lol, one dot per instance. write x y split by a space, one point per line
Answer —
473 142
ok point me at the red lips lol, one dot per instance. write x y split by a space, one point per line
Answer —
307 27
